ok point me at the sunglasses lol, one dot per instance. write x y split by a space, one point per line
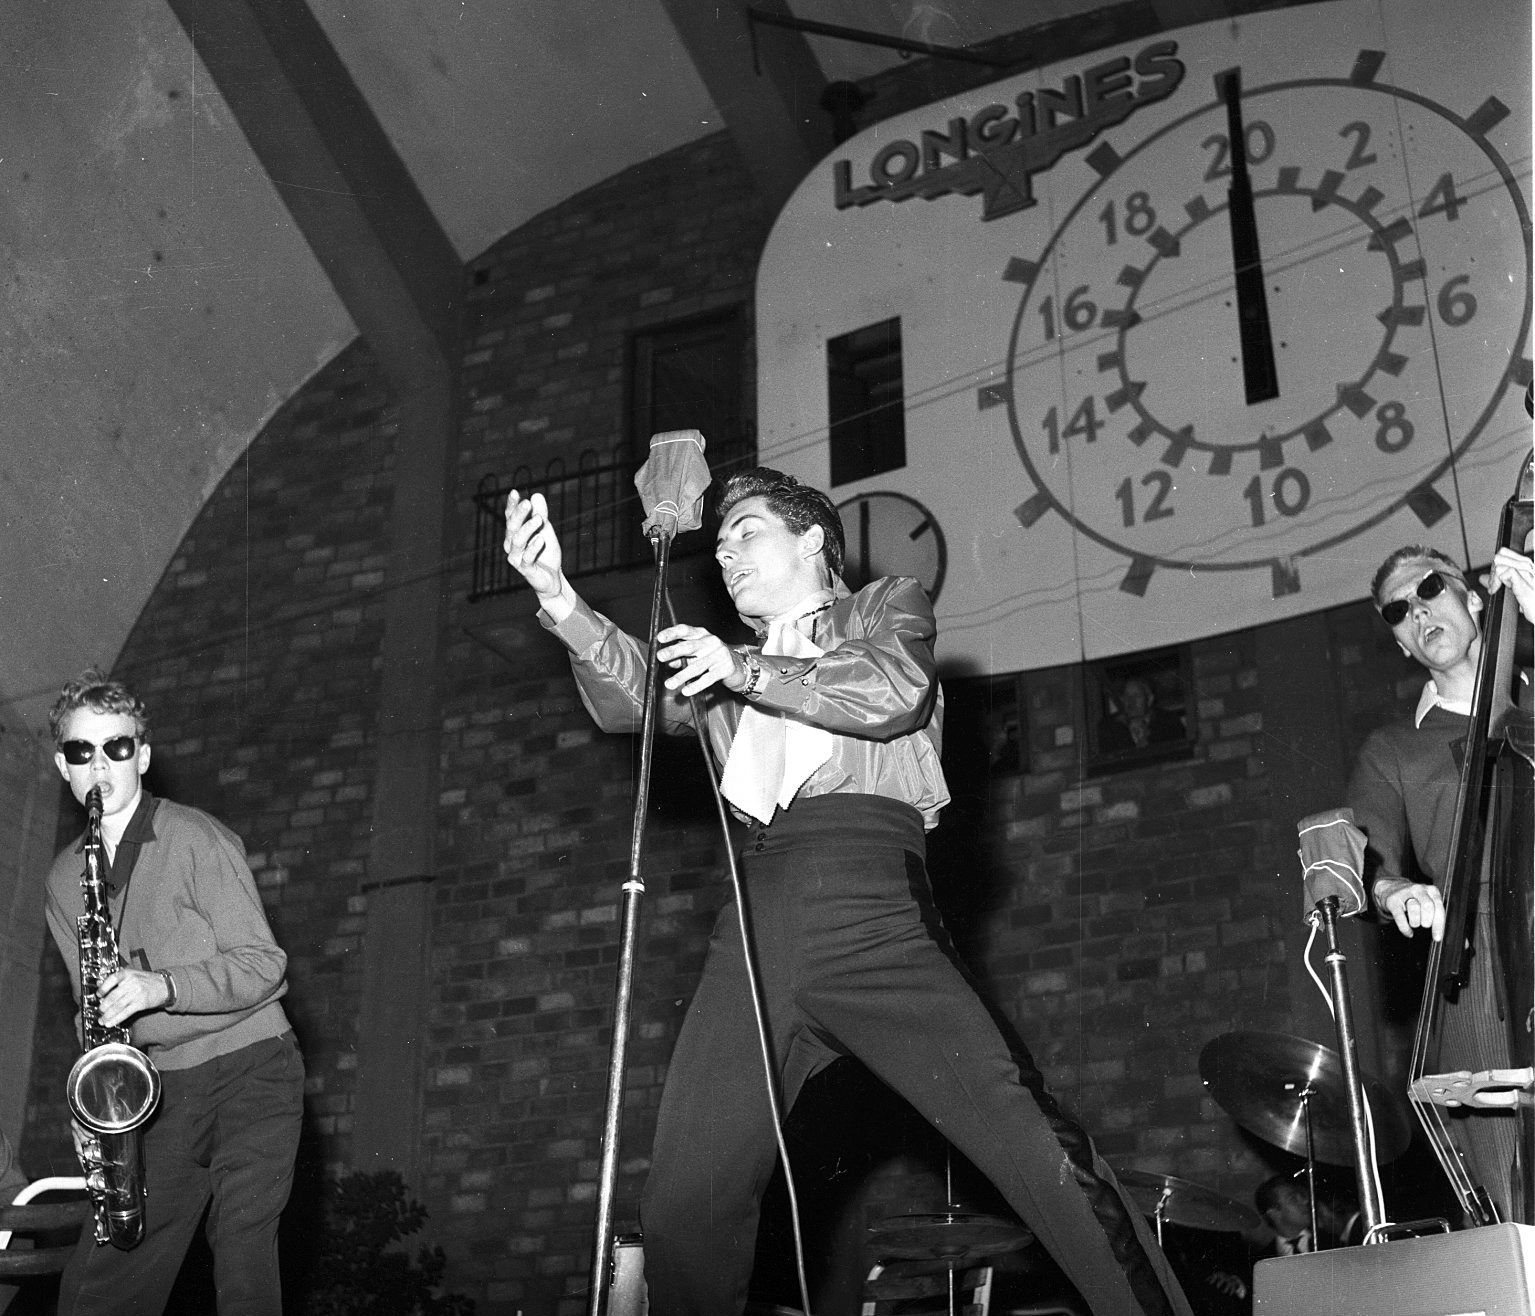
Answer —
119 749
1430 587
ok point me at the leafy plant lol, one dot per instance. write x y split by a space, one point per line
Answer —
360 1264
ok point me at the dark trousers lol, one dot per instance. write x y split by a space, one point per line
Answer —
854 961
224 1137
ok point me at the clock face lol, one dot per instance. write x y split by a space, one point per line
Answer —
891 534
1375 282
1194 330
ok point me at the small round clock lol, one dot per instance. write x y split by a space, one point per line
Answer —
1376 219
891 534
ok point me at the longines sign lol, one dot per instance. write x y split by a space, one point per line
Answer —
997 151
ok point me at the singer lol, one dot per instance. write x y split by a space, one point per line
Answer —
201 994
828 730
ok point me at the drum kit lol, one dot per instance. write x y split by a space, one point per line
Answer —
1285 1090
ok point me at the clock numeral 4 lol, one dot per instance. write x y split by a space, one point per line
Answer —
1290 493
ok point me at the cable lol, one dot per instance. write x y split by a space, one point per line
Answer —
748 957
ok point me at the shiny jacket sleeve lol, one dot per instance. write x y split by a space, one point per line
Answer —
877 681
609 667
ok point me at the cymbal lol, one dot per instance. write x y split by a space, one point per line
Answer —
953 1236
1181 1202
1262 1080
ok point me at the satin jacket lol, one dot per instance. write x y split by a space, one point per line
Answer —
875 688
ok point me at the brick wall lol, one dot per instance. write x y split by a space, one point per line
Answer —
1120 921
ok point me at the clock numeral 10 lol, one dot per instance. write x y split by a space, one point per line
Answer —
1290 494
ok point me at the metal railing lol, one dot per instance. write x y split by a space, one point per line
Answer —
595 508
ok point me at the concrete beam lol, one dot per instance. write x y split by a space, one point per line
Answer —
770 93
338 174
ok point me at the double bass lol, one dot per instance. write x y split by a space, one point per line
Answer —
1472 1075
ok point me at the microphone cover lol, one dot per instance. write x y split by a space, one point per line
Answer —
1332 860
673 481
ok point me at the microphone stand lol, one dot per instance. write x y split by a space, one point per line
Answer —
634 887
1370 1205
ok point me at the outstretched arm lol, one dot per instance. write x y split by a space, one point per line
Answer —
533 550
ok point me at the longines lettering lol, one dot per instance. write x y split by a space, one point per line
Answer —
998 150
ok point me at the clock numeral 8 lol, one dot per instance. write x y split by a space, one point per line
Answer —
1290 494
1395 431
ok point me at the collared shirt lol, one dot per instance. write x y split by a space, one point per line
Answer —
874 687
1431 698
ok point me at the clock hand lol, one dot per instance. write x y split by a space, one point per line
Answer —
1260 374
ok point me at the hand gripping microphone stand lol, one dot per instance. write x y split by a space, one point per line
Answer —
671 484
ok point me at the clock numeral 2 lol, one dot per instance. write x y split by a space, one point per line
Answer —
1290 494
1161 485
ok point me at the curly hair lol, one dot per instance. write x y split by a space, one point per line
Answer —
1411 553
798 506
93 690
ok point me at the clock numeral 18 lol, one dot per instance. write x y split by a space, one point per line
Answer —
1290 494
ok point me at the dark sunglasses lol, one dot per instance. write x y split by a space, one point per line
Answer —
119 749
1430 587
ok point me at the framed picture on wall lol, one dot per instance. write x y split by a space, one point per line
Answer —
1138 709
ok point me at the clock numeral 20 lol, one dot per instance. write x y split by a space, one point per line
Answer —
1258 139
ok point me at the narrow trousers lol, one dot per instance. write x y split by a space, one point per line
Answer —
854 961
223 1138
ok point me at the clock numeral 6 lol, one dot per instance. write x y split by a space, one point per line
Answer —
1161 485
1290 494
1456 306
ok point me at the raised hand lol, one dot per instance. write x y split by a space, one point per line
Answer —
533 549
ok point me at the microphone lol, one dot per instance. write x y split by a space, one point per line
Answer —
672 483
1332 861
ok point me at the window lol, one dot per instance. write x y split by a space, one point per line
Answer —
867 402
691 375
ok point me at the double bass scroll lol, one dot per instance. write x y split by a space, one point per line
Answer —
1473 1060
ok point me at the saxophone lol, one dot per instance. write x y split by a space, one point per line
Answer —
113 1088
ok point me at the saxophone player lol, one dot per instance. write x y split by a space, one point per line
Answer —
199 988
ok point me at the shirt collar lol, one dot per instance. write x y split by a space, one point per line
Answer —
814 602
1431 698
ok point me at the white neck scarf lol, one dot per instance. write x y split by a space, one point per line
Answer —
772 755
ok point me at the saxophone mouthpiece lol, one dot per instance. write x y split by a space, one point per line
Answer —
93 804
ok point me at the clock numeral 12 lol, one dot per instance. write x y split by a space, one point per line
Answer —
1161 485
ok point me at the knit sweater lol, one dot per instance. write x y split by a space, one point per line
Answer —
184 901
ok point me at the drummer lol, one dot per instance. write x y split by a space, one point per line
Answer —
1285 1205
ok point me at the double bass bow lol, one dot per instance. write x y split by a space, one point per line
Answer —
1472 1075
